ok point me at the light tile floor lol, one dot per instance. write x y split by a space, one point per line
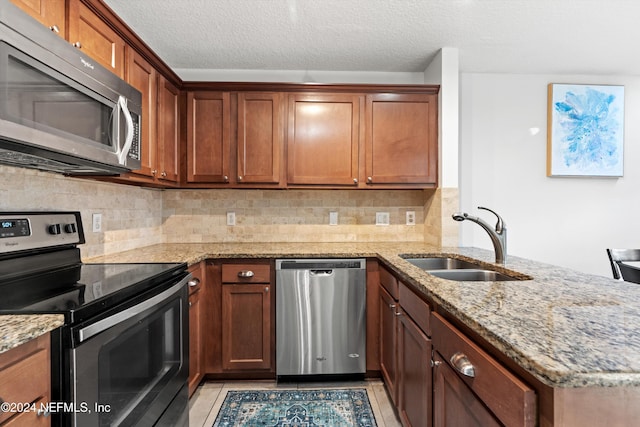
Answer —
207 400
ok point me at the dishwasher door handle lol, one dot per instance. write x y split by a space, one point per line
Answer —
325 272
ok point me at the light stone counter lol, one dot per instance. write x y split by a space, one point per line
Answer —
17 330
566 328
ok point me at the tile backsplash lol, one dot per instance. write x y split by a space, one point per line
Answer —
134 217
291 215
131 216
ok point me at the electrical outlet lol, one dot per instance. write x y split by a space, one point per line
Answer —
411 218
96 222
333 218
382 218
231 218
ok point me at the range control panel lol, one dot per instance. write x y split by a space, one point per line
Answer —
21 231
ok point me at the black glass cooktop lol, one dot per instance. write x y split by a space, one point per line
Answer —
83 290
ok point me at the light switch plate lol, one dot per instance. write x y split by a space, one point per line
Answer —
333 218
382 218
96 220
231 218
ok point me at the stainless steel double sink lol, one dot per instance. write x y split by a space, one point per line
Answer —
461 270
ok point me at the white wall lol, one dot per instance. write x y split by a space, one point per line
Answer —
563 221
444 71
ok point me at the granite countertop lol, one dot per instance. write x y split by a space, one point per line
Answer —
18 329
568 329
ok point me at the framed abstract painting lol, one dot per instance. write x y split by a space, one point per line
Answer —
585 132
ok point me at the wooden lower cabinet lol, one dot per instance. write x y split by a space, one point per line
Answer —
25 378
414 374
239 332
454 404
196 345
388 342
246 326
473 389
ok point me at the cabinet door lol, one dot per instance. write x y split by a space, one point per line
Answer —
260 136
195 341
50 13
414 374
246 327
142 76
454 404
95 38
323 139
388 342
401 139
208 139
168 131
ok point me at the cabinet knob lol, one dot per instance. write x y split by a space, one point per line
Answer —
355 180
193 282
392 306
163 174
266 289
226 178
398 313
369 179
239 177
435 363
245 274
154 172
77 45
43 413
55 28
462 364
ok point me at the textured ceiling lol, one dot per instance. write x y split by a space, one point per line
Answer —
503 36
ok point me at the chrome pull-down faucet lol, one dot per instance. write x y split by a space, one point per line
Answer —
498 235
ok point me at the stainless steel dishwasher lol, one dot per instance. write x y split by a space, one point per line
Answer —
320 317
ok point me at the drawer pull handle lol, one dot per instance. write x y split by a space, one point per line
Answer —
392 306
194 282
245 274
463 365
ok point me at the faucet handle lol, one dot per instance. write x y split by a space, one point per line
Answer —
500 225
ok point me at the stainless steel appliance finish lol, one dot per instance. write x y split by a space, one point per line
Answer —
59 110
124 346
320 317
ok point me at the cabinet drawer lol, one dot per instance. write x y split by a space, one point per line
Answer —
24 373
246 273
415 307
510 400
30 418
389 282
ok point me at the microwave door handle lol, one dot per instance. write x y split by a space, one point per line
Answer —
124 151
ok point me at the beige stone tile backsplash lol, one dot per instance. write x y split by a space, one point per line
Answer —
135 217
131 216
291 215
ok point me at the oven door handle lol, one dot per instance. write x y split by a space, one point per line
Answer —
104 324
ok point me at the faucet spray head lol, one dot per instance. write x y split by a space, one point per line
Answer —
459 216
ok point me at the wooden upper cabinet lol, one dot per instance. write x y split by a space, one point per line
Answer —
50 13
95 38
142 76
323 139
208 137
260 137
168 147
401 142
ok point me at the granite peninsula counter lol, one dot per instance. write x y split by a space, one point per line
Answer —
567 329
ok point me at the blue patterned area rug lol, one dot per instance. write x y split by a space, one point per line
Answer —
296 408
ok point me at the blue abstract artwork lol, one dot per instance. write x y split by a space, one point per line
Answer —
585 130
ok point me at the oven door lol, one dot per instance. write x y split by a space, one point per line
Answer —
131 367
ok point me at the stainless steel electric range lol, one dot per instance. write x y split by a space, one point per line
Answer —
124 345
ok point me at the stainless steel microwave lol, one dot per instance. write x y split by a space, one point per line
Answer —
59 110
